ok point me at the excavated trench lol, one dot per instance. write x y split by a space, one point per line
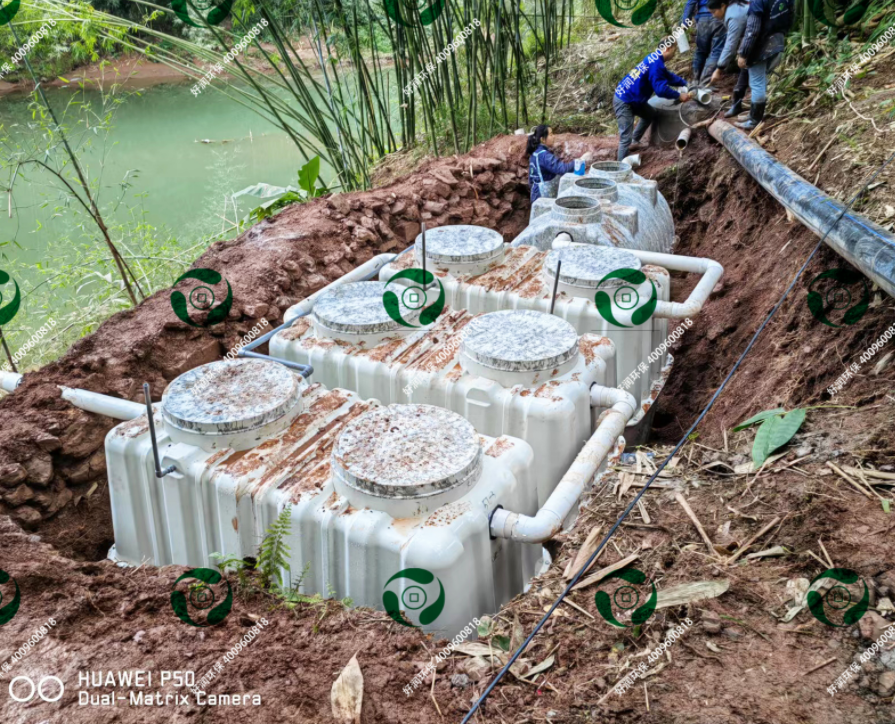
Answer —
52 465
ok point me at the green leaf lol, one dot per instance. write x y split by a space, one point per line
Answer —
502 642
775 432
761 446
886 506
307 175
788 426
758 418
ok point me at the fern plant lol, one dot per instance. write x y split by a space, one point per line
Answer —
273 557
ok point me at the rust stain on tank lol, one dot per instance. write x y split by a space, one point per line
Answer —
499 447
447 514
302 325
455 374
235 523
588 343
545 390
297 460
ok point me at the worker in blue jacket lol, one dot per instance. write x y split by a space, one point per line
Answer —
543 166
710 36
631 96
761 50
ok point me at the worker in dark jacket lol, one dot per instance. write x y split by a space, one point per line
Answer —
631 96
710 34
761 50
543 166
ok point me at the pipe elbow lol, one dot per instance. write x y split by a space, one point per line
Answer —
620 401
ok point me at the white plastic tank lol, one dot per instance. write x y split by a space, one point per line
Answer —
654 219
525 280
377 494
620 222
516 372
581 217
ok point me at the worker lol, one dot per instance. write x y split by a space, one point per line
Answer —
761 50
631 96
733 15
543 166
710 35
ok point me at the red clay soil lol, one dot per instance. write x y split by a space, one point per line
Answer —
739 664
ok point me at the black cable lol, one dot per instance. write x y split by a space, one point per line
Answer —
677 448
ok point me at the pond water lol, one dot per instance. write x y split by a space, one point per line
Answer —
157 142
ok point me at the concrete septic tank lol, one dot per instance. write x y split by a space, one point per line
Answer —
374 491
517 372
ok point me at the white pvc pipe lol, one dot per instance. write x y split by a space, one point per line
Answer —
103 404
305 306
549 519
9 380
711 272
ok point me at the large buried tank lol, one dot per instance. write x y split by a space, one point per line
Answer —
390 506
581 218
654 221
517 372
524 278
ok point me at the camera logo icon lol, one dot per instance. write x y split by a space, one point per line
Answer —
626 298
626 598
844 604
428 10
202 298
8 11
414 597
835 290
413 297
207 12
200 596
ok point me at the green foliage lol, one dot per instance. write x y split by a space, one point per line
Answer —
777 428
308 186
273 555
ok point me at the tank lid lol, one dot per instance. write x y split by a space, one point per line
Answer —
231 396
358 307
586 265
407 451
520 340
617 170
460 243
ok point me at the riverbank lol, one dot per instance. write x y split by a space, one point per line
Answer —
134 71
